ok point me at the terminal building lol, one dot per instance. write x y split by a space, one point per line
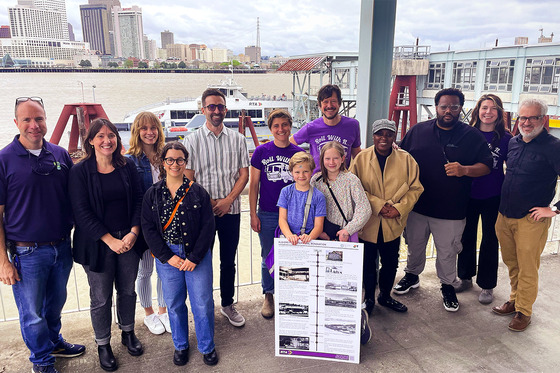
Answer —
512 72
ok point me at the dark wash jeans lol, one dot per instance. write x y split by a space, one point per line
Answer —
40 296
120 270
227 227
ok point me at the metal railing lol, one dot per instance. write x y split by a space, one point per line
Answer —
248 263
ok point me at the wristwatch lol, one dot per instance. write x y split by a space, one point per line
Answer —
553 208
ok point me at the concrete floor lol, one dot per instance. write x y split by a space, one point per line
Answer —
426 339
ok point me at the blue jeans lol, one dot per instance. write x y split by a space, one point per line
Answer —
40 296
269 222
199 284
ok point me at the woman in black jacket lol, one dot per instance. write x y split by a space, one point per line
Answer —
178 225
106 200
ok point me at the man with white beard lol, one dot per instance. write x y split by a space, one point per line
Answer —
525 213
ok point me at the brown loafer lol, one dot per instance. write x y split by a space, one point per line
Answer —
505 309
520 322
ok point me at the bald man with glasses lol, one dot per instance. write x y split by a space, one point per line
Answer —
35 224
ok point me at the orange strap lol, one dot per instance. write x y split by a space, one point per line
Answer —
177 207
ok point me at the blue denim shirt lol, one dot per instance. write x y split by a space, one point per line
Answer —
144 170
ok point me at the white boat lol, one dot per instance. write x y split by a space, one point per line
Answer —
176 116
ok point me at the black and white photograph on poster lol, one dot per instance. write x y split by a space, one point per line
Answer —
333 269
335 255
342 285
342 328
340 300
294 274
318 289
294 343
293 309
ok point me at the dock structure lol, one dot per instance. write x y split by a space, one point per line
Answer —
514 73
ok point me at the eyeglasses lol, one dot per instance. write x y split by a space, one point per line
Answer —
45 163
531 119
180 161
450 107
213 107
21 100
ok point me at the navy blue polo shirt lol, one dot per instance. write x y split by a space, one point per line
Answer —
34 192
531 174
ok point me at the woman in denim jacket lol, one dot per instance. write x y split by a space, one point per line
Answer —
146 142
178 225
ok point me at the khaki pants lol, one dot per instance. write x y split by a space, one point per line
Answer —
522 242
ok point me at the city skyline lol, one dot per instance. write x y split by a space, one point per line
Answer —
326 26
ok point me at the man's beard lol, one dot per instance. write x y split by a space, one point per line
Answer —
531 134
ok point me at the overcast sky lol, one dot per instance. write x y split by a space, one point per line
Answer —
292 27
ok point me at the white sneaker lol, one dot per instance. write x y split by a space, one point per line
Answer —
234 317
164 319
154 324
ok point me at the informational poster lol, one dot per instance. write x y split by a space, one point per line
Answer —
318 292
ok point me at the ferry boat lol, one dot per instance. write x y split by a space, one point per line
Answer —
180 118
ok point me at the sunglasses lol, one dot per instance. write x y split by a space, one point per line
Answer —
213 107
21 100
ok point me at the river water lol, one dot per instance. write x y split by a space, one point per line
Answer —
119 93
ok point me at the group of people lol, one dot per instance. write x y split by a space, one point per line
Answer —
164 204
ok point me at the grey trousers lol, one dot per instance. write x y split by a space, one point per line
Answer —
447 239
120 270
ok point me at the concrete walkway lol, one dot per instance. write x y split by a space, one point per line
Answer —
426 339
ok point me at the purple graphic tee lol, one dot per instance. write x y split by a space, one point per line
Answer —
317 133
273 162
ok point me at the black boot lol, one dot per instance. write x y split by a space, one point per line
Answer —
132 343
106 358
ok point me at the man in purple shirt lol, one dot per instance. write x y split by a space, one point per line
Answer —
35 224
330 127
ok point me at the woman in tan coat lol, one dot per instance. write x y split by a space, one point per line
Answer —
390 178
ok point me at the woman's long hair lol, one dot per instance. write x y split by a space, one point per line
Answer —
340 149
96 126
500 127
145 118
175 145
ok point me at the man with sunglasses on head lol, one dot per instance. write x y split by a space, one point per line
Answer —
219 162
449 154
36 219
525 213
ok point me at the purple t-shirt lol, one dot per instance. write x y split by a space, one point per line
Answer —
490 185
294 201
273 162
317 133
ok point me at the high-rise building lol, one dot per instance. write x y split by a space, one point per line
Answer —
254 53
128 32
109 4
5 32
39 33
150 48
95 27
39 19
167 38
178 51
71 35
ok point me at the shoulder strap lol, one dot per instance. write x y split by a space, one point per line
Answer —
176 207
307 207
336 201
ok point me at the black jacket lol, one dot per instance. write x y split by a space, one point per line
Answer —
531 174
445 197
196 223
87 205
